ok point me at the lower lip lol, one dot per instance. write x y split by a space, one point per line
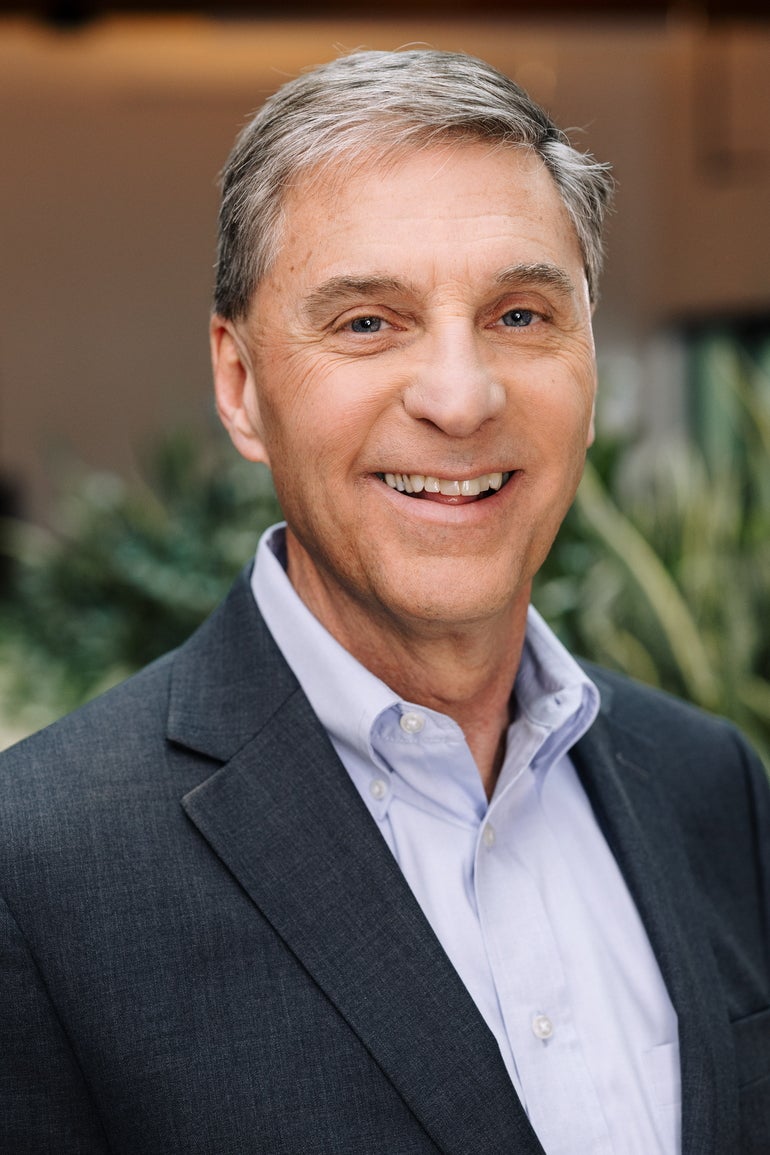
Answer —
444 510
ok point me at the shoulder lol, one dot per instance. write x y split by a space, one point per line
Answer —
677 729
87 770
134 709
700 765
130 755
702 770
128 724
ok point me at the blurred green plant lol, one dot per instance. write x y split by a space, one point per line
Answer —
661 570
128 572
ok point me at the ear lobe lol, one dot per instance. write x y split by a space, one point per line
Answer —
235 390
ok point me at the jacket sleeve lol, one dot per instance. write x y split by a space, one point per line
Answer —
45 1106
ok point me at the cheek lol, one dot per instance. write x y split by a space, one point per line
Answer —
323 408
555 414
316 430
293 397
565 400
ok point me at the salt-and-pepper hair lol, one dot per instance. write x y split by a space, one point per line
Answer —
371 107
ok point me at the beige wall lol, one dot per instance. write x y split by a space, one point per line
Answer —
112 137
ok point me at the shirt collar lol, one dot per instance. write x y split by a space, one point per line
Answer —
319 663
553 693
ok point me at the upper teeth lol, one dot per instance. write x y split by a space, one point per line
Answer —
416 482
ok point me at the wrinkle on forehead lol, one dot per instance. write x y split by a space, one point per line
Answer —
333 173
330 176
368 239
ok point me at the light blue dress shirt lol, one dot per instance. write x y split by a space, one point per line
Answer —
522 891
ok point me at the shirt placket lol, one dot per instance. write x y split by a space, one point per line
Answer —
549 1068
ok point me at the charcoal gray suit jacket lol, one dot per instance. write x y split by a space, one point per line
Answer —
206 946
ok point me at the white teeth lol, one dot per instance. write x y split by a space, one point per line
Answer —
471 487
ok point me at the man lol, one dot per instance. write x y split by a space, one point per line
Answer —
371 865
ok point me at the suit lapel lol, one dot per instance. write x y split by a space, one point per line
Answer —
618 771
284 817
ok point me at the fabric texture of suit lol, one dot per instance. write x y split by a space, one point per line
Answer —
206 946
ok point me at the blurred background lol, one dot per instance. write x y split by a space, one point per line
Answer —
124 516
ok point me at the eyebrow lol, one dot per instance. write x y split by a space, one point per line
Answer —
337 289
543 275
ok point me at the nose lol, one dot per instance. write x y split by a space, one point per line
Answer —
453 386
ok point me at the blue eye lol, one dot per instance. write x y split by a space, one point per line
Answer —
518 318
366 324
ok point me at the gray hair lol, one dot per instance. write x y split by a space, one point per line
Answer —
384 103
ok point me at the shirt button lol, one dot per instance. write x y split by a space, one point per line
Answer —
411 722
377 788
542 1027
488 835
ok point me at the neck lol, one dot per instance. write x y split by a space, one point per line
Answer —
465 671
469 676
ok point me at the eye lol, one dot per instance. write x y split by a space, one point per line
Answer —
519 318
365 324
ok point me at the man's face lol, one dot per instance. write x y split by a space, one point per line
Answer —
424 322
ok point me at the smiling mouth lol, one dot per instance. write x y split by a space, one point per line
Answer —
447 490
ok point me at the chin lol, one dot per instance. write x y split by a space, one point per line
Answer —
450 603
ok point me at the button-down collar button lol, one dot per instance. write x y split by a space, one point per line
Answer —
542 1027
377 788
488 835
411 722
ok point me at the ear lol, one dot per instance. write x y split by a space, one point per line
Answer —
236 391
592 423
592 427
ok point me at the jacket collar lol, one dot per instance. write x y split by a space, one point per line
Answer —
220 697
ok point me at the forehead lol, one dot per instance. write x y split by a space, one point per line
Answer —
447 210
